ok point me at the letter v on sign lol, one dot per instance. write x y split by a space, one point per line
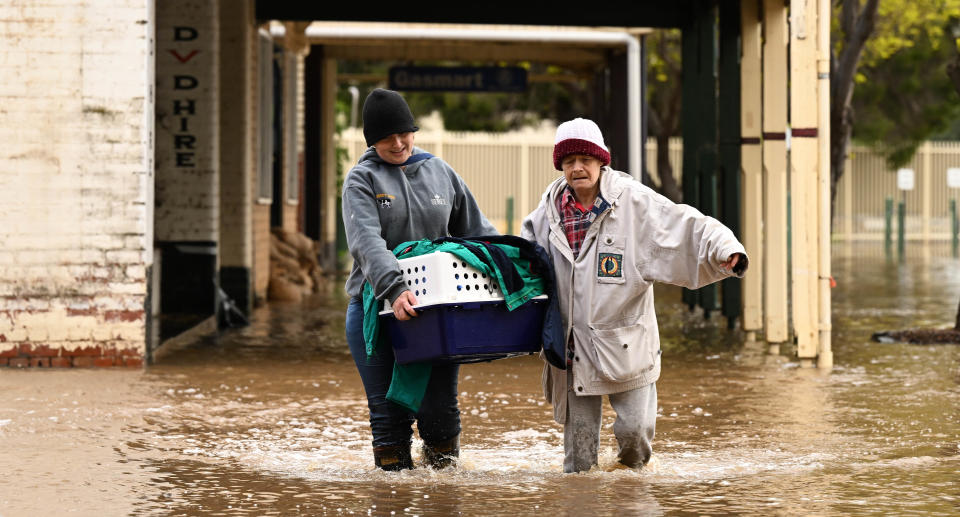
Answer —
184 59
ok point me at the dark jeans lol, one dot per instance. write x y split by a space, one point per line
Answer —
439 417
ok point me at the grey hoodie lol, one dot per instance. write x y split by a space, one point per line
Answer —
384 205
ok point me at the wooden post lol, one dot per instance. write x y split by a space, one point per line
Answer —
692 131
825 319
707 155
700 128
328 182
775 169
803 175
729 143
751 152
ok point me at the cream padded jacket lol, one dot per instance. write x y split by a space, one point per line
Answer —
606 294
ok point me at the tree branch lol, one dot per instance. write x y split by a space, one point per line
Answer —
653 118
867 20
953 71
848 14
957 325
854 42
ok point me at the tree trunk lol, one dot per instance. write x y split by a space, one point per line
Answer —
663 124
664 113
668 183
857 25
957 324
953 70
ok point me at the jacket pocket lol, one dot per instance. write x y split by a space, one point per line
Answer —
622 353
610 259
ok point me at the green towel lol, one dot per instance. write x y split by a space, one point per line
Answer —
409 382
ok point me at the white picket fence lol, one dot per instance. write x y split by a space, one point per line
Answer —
519 165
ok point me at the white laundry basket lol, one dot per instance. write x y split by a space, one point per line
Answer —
443 277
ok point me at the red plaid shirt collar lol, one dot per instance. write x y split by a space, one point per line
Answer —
575 219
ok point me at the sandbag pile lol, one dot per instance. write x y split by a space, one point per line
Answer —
294 270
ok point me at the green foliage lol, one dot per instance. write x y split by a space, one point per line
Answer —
952 131
902 24
664 80
463 112
664 60
906 97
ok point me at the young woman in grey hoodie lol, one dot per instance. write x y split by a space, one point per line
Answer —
396 193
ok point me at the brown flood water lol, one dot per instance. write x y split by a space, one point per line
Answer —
271 420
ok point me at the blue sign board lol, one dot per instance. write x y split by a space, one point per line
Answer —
458 79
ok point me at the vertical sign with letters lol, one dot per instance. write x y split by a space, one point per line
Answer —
187 126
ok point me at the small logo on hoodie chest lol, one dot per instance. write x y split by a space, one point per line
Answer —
438 200
385 200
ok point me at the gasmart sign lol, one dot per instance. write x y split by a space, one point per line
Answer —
463 79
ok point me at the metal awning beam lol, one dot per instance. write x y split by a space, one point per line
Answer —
548 37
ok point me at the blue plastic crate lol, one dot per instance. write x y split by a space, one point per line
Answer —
466 332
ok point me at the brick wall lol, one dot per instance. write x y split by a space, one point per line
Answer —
291 209
261 251
261 210
237 131
237 29
75 181
301 133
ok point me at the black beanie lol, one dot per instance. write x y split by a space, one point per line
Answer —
385 113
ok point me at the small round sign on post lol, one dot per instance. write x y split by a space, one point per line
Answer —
905 179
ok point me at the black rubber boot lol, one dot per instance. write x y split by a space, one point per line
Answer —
393 457
443 454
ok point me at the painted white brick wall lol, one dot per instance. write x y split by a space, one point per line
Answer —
75 174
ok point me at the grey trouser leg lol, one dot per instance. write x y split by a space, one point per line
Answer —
581 433
634 427
636 422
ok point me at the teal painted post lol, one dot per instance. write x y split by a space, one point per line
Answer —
692 130
954 226
708 293
729 143
700 126
708 120
510 215
888 224
901 218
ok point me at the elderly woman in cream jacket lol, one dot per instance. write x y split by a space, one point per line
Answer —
610 237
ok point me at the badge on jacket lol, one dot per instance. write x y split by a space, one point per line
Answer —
609 265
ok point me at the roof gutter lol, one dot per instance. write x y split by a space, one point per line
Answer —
634 93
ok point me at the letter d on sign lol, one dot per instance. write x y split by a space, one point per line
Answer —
184 34
184 82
